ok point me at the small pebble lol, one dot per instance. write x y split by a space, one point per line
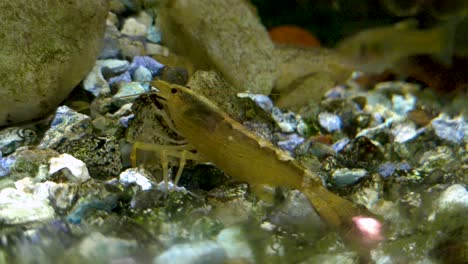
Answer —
193 253
97 248
128 89
6 163
336 92
156 49
330 122
144 76
339 145
403 104
291 142
453 197
261 100
404 166
67 125
387 169
452 130
149 63
134 28
344 177
125 120
235 244
13 137
134 176
113 66
295 214
154 34
111 48
455 194
284 121
122 78
83 208
77 167
170 186
404 132
144 18
95 82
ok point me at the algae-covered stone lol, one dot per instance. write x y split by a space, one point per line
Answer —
224 34
47 48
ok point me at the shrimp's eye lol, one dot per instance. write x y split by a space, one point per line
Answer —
173 90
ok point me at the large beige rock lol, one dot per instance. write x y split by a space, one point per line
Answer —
46 48
225 35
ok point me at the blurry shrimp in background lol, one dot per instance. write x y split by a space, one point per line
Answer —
378 49
440 9
428 46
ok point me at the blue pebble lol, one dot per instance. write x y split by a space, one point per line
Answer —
452 130
291 143
339 145
149 63
404 166
154 35
144 76
122 78
277 114
386 169
5 165
402 104
109 203
125 120
336 93
264 102
66 125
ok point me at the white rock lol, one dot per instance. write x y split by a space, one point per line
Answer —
95 82
77 167
403 132
132 27
18 207
144 18
104 249
403 104
329 121
194 253
235 243
133 175
453 196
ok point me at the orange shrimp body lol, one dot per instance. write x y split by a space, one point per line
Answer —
245 156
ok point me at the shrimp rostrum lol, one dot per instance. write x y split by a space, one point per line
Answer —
220 139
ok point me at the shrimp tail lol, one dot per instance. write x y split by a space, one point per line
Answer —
335 210
361 229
